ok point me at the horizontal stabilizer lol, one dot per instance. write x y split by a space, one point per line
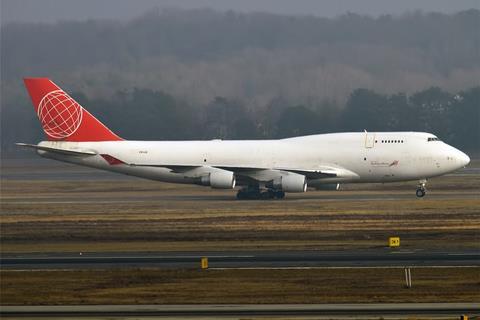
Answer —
69 152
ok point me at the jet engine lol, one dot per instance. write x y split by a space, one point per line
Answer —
221 179
291 182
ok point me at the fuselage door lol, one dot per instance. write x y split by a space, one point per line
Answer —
369 139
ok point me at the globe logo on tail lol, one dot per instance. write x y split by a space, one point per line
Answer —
59 114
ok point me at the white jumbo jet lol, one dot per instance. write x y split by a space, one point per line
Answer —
265 169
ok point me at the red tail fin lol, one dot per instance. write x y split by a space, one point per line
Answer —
62 118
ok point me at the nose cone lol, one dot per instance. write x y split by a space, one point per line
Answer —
451 159
462 158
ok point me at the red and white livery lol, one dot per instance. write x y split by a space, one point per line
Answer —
263 169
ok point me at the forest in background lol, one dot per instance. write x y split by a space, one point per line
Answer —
201 74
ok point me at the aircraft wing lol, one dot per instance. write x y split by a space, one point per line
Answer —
255 173
310 174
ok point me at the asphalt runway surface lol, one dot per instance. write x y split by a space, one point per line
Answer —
383 257
324 198
291 310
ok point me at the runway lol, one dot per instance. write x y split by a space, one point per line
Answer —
382 257
292 310
229 196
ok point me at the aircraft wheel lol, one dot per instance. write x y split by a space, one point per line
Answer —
267 195
420 193
271 194
249 194
241 195
255 195
279 194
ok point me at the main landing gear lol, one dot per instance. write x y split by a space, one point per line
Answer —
421 191
255 193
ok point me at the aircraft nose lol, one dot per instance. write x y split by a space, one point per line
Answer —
464 159
461 158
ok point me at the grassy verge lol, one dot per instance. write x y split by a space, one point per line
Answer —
150 216
152 286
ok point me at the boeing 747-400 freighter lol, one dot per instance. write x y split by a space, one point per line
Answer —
265 169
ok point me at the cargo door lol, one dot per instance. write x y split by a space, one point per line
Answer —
369 140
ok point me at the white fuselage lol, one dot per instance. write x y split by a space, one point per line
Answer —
357 157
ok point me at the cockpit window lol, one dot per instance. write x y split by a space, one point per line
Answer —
433 139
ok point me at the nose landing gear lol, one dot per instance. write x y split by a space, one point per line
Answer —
421 190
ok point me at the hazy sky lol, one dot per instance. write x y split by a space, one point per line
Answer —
54 10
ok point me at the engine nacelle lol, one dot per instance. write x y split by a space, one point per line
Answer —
329 186
292 182
219 180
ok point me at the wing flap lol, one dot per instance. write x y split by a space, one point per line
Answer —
315 174
252 172
310 174
175 168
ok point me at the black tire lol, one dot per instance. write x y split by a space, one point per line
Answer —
420 193
256 195
265 195
279 194
246 194
241 195
271 194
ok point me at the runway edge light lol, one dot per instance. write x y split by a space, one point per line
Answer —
394 242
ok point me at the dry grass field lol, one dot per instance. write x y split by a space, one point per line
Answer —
82 215
160 286
123 215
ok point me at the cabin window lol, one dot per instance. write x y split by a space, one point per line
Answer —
391 141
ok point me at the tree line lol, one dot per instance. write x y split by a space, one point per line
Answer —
146 114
